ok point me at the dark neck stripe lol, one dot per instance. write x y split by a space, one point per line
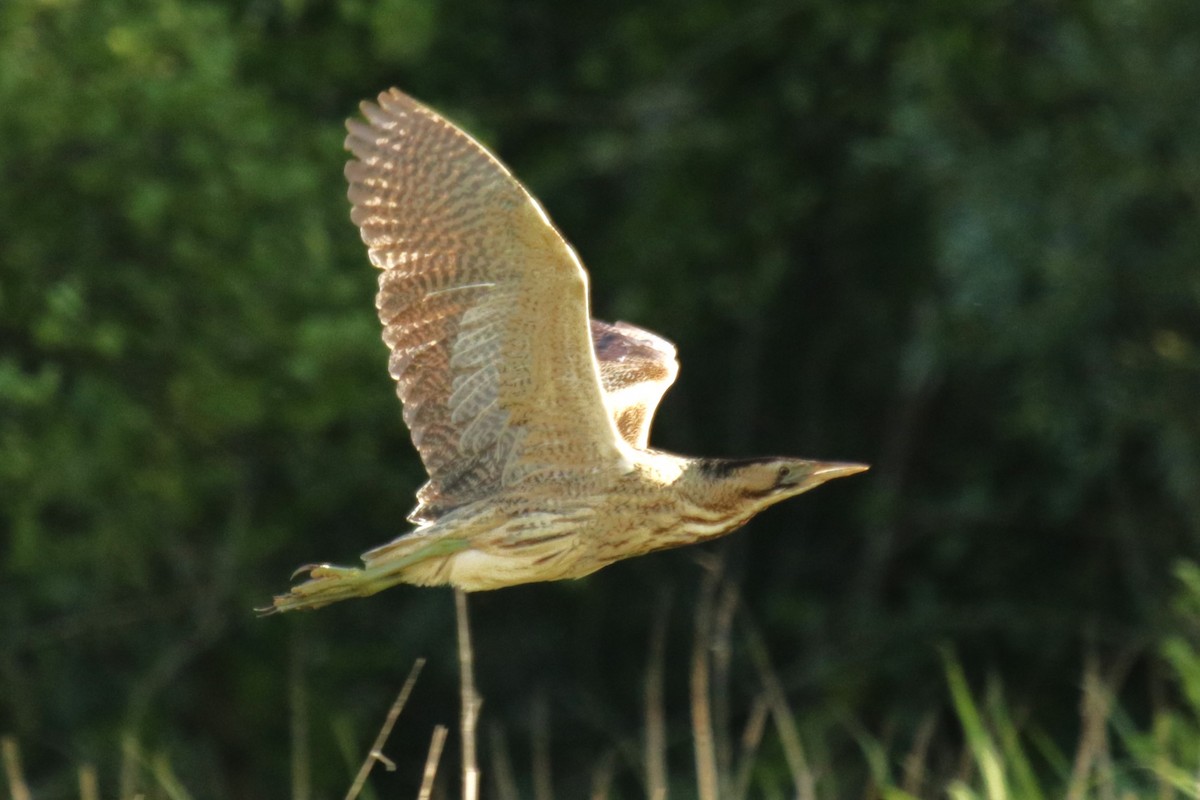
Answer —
722 467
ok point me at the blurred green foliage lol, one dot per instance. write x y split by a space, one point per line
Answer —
956 238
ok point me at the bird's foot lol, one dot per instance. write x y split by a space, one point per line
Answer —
385 566
316 571
326 584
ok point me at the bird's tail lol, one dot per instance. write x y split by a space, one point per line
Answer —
383 567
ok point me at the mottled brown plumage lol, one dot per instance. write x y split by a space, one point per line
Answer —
636 369
531 419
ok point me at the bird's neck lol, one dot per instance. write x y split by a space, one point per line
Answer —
712 503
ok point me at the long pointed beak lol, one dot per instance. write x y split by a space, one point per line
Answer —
828 470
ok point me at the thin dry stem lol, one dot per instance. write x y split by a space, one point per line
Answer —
470 699
89 785
1162 725
785 722
707 779
167 780
301 759
543 781
722 658
1092 755
11 754
376 752
751 739
502 772
129 783
918 756
431 761
602 777
655 707
1162 733
965 771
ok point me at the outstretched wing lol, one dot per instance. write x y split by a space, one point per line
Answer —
636 369
484 307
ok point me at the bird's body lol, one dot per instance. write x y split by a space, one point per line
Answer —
531 418
545 533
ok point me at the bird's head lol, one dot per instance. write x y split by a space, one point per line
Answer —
755 483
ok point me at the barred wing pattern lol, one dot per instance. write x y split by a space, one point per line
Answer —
636 369
484 307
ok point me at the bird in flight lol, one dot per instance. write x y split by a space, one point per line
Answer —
531 419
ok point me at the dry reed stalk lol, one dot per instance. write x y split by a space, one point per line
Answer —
168 782
602 777
918 756
1161 731
376 752
543 781
722 670
431 761
301 758
470 699
707 779
965 771
129 782
11 754
89 785
752 735
1092 754
502 771
655 753
785 721
1162 761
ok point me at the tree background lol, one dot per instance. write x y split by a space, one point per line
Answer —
957 239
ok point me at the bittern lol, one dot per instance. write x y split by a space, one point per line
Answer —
531 419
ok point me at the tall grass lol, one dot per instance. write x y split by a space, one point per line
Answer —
987 753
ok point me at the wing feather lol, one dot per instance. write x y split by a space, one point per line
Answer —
484 307
636 369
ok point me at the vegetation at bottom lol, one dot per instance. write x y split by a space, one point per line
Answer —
997 751
956 239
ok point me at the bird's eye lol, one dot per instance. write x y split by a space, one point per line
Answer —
784 472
